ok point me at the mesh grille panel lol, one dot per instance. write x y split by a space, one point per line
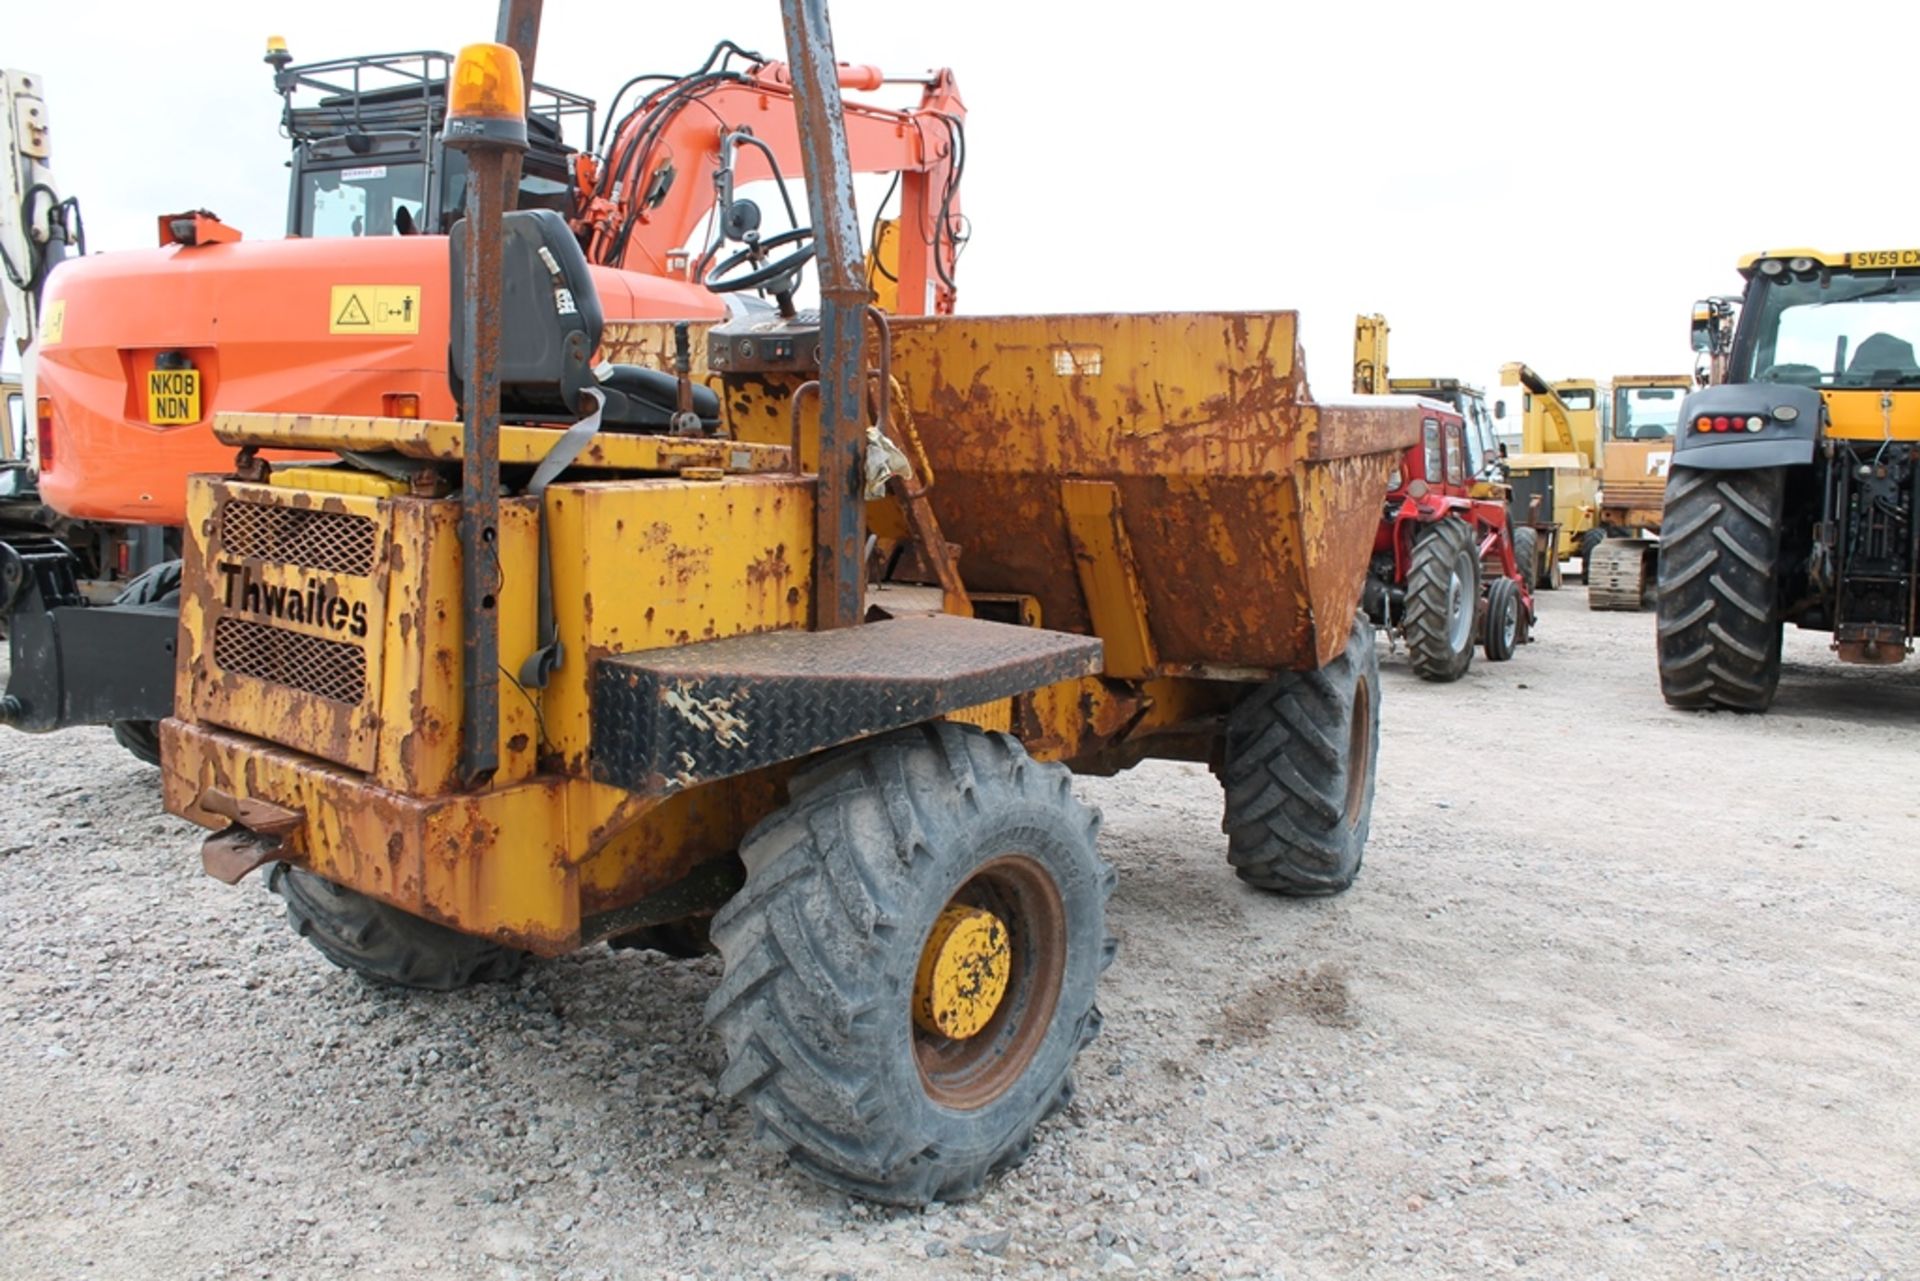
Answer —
325 668
335 542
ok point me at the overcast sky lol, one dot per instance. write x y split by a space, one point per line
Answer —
1553 183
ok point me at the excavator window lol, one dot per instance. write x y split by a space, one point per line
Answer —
362 200
1646 413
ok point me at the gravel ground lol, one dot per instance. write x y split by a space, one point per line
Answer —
1621 993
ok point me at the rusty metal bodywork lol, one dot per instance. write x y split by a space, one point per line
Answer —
1162 483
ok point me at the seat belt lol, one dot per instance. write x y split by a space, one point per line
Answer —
547 659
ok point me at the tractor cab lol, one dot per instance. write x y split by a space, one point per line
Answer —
367 159
1470 403
1440 463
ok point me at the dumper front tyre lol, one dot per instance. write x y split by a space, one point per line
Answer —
157 586
910 968
1300 755
383 944
1443 596
1716 590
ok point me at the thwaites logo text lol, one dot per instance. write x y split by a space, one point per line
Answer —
317 604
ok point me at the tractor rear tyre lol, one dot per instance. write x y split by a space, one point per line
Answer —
1299 770
383 944
1502 631
1717 589
1526 554
157 586
910 968
1443 596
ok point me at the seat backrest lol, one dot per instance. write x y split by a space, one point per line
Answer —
1882 354
550 317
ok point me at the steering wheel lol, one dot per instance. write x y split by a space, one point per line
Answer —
718 280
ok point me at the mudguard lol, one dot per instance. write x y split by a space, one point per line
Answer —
1791 418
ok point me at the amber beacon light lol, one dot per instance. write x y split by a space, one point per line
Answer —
487 104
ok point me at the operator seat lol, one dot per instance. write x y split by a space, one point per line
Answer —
1883 354
550 324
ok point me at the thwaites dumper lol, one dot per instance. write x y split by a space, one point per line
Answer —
1795 476
500 688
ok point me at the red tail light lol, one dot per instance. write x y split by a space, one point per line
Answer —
400 404
43 432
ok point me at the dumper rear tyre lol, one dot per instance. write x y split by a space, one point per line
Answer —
1526 554
381 943
1589 544
1717 589
1298 768
1443 596
158 585
910 968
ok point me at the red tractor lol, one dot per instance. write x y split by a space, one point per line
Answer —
1445 572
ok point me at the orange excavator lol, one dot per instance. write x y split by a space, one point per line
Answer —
350 312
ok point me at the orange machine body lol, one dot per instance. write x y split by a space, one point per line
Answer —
275 324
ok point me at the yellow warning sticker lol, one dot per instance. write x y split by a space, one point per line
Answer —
374 309
54 322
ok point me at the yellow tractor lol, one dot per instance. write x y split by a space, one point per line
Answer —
797 654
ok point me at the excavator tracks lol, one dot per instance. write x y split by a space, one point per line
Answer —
1620 574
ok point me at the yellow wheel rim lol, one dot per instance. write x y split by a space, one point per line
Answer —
963 974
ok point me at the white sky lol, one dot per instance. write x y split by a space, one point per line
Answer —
1545 182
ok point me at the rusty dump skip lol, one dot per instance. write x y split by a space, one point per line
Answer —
1163 481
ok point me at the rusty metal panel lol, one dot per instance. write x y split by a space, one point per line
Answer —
441 441
644 564
1109 576
675 718
446 858
282 619
1249 507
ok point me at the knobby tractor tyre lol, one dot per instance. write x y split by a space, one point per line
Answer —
910 968
384 944
157 586
1526 554
1443 595
1299 773
1717 588
1503 619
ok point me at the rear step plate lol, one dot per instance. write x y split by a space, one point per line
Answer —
666 719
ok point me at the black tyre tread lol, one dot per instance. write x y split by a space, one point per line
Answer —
1286 772
1503 594
1716 589
1526 554
384 944
1588 541
161 583
1437 549
800 1006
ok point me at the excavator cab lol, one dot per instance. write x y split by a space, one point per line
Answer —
367 159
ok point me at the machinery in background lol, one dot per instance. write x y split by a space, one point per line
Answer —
1635 452
350 313
1450 569
1795 478
1554 475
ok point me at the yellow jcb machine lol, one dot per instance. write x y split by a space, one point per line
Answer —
1635 452
808 672
1553 473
